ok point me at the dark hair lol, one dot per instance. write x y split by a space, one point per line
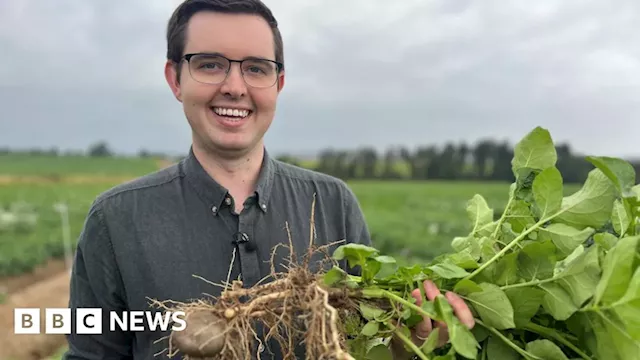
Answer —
176 28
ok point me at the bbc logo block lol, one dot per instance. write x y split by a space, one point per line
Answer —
26 321
57 321
90 321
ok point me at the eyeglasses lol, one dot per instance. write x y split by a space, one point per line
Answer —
214 69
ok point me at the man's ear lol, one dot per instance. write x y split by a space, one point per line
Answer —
280 81
171 76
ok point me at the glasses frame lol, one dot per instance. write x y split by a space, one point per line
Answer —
279 67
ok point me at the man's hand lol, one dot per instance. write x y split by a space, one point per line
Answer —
422 330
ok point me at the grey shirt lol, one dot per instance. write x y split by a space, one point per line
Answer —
145 239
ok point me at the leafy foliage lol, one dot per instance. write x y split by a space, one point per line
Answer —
554 277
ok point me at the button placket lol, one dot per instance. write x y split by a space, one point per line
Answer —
249 261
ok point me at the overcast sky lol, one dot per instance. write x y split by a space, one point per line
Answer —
360 72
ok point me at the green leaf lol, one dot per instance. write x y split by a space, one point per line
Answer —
464 260
465 287
463 341
479 212
547 192
334 276
535 151
448 271
379 352
591 205
497 349
610 323
370 312
371 328
525 302
431 343
566 238
557 302
493 306
620 172
617 270
356 254
545 349
536 261
628 306
579 274
605 241
506 270
520 216
620 218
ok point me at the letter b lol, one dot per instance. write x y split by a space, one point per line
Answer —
58 321
26 321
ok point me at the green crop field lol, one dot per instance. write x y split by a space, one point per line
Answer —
31 228
43 165
417 218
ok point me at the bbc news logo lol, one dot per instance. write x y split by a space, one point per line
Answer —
90 321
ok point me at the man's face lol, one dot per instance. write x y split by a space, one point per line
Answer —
236 37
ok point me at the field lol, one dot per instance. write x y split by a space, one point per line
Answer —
410 220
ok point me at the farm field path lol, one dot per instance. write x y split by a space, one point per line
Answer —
11 284
49 293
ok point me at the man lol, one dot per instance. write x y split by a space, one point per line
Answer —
220 211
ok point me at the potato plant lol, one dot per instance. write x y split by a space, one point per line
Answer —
553 277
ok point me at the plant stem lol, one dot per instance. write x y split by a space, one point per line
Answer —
530 283
541 330
411 345
506 248
503 216
379 293
509 343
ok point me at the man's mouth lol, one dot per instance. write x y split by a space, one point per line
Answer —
232 113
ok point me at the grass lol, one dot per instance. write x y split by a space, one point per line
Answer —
30 228
58 166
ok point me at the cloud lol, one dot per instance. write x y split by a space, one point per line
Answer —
381 72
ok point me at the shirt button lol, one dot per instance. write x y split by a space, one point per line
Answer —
227 201
214 209
264 206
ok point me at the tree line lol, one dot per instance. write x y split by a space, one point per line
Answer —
487 160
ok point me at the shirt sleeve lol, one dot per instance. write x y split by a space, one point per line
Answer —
357 231
96 284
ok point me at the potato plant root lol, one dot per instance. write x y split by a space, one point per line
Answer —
295 308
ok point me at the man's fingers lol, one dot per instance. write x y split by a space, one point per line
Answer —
443 333
423 328
431 289
461 309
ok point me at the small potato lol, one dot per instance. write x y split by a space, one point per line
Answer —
202 327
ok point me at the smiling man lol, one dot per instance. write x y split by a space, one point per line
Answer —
220 211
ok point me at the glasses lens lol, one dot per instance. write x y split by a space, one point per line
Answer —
259 73
213 69
209 69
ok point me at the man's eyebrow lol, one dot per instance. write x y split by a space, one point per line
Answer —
245 58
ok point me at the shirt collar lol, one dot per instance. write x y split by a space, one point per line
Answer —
214 193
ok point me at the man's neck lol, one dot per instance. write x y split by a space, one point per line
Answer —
239 174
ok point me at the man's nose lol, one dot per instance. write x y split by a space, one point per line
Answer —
234 84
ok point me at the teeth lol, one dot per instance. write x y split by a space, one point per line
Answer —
231 112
